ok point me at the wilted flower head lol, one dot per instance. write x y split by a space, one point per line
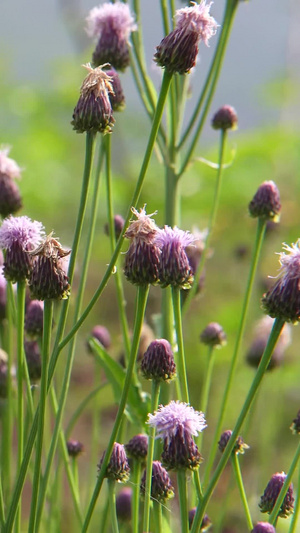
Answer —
178 51
177 423
239 447
283 299
295 427
174 266
93 111
118 467
10 198
260 339
213 335
266 202
225 118
74 447
263 527
33 359
18 236
111 25
205 524
123 504
271 493
158 361
142 257
137 447
48 280
161 486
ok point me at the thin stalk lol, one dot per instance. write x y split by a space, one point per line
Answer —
47 328
212 220
261 225
142 296
112 505
231 4
240 484
157 515
2 512
276 330
164 16
295 516
182 377
210 361
154 403
156 122
117 276
136 480
274 514
182 495
197 484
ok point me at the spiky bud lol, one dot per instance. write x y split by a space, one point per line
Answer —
206 521
271 493
213 335
33 359
118 226
118 467
158 361
33 324
137 447
48 281
123 504
93 112
174 266
10 198
74 447
178 51
225 118
239 447
263 527
295 427
161 486
266 202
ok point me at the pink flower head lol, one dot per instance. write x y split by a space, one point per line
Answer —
176 415
116 16
290 264
27 233
196 18
174 237
7 165
174 267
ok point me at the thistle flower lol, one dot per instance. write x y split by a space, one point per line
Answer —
266 202
93 111
142 257
206 521
74 447
48 281
295 427
33 324
123 504
178 51
111 25
261 335
271 493
174 267
10 198
283 299
137 447
118 467
263 527
213 335
102 335
161 486
117 98
177 423
225 118
158 361
19 236
33 359
118 226
239 447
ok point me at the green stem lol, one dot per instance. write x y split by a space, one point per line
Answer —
157 514
197 484
164 16
295 516
182 495
182 377
211 356
139 317
240 484
47 327
276 330
112 505
212 221
156 122
274 514
261 225
154 403
2 513
136 480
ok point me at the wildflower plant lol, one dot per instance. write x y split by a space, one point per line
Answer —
158 260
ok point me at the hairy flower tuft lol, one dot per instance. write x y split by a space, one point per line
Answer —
174 266
168 418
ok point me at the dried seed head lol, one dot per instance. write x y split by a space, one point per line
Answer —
271 493
74 448
123 504
111 25
93 111
239 447
225 119
118 467
266 202
34 318
137 447
33 358
174 266
178 51
158 361
213 335
161 486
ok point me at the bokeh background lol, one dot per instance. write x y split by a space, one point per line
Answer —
42 47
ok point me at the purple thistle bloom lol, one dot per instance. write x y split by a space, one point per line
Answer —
111 25
18 236
174 266
168 418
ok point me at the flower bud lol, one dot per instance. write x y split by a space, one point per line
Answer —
74 448
10 198
205 524
225 119
123 505
33 358
161 486
239 447
34 315
158 361
118 467
137 447
295 427
213 335
266 202
174 266
271 493
102 335
118 226
263 527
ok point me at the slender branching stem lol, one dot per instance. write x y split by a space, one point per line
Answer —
238 476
